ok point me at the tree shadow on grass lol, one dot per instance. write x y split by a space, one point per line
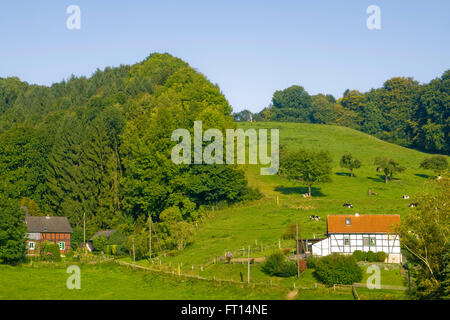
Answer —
381 178
315 192
345 174
421 175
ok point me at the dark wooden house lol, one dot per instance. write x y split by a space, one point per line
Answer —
53 229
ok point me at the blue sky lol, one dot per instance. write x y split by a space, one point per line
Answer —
250 48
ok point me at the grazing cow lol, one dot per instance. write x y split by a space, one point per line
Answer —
316 218
405 197
413 205
305 195
348 205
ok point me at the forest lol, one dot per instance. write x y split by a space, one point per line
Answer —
100 147
402 111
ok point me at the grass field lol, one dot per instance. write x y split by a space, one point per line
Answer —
110 281
265 220
259 224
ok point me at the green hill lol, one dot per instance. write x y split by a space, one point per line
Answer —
264 221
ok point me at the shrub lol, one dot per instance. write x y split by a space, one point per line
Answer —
117 238
286 251
290 232
338 269
371 256
381 256
50 251
278 265
302 265
311 262
100 243
69 254
77 238
359 255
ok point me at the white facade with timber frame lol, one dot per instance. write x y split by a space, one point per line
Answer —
347 234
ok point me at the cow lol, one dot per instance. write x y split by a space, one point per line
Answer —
348 205
405 197
305 195
316 218
413 205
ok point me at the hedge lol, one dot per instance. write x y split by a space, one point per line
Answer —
337 269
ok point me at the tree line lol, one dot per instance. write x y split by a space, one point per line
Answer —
402 111
101 146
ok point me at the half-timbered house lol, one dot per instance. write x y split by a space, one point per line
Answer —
348 233
53 229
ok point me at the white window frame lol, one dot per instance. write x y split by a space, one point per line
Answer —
31 245
62 244
347 241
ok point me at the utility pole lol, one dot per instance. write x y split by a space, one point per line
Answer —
134 253
248 266
84 231
296 237
150 235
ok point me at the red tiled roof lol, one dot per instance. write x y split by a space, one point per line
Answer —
370 223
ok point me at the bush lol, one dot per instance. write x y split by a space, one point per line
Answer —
338 269
278 265
381 256
100 243
359 255
117 238
290 232
372 256
311 262
50 251
302 265
77 238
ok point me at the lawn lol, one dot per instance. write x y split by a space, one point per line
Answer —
110 281
264 221
259 224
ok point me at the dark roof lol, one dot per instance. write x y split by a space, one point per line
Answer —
370 223
106 233
48 224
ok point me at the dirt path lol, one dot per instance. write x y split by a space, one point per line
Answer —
291 295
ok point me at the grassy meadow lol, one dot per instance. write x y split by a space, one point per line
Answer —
264 221
259 224
109 281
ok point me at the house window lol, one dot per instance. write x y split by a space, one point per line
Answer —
31 245
62 245
348 221
373 242
346 241
365 242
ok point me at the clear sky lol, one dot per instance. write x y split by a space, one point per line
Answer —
250 48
